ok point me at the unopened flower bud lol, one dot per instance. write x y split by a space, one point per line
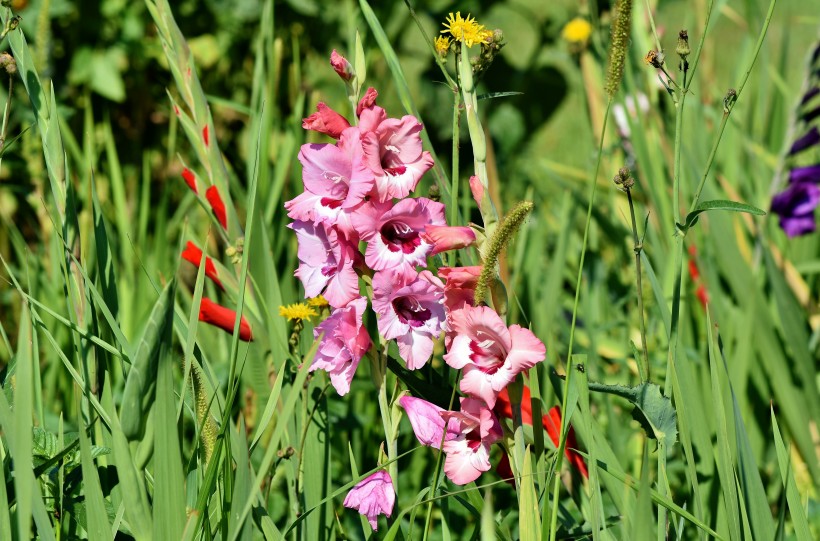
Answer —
341 66
683 44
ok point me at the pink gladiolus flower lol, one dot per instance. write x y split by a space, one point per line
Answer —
341 66
326 263
393 237
393 151
427 422
345 342
490 353
367 101
468 454
459 291
372 497
336 180
326 120
445 237
410 310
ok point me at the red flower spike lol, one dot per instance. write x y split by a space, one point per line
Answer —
193 255
214 199
190 179
551 423
224 318
205 135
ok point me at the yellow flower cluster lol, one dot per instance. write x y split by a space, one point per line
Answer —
466 30
442 44
318 302
298 310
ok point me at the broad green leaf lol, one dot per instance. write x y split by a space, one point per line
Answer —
653 410
719 204
529 515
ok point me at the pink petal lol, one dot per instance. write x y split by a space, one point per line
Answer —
326 120
445 238
527 350
426 420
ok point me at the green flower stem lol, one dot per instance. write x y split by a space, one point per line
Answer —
379 363
489 215
638 248
6 112
565 415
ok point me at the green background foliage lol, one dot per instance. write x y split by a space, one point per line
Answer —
100 422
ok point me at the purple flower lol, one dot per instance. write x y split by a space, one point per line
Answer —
373 496
805 174
807 141
795 206
345 342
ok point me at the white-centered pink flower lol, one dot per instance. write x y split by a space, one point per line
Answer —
344 344
336 180
427 422
373 496
468 454
394 153
490 353
445 237
410 311
326 260
394 235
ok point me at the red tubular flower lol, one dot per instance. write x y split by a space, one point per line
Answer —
190 179
551 423
224 318
694 274
193 254
205 135
213 197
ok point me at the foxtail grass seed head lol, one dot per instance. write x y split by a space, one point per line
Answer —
208 430
619 41
682 48
502 236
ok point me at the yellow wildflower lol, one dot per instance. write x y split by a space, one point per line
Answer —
298 310
442 45
318 302
466 30
577 31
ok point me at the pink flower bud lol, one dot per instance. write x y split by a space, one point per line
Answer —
427 422
477 188
341 66
445 238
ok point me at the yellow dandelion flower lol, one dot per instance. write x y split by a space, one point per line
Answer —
442 45
466 30
577 31
298 310
318 302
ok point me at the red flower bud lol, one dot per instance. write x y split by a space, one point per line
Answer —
190 179
218 207
326 120
341 66
193 254
224 318
205 135
368 100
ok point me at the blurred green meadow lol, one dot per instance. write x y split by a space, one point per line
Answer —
123 417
